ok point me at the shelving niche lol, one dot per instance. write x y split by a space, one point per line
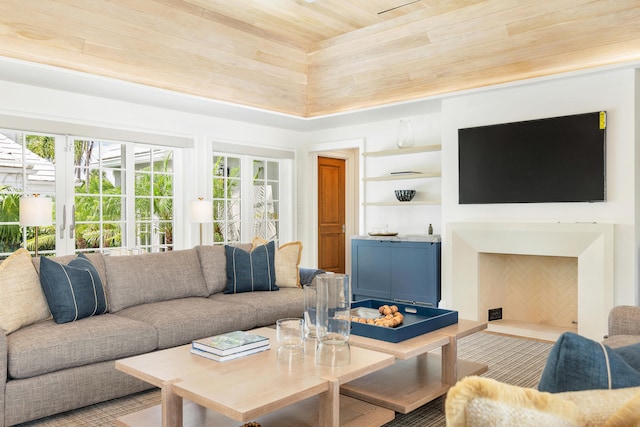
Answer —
410 175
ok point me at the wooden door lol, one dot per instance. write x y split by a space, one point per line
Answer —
331 214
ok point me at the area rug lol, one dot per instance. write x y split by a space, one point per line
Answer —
511 360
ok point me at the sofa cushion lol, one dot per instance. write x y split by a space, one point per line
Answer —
47 346
269 306
286 262
250 271
73 291
578 363
213 262
22 301
154 277
180 321
95 258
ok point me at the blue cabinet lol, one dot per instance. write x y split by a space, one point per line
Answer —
397 270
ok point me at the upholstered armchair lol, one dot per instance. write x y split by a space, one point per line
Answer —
624 326
585 384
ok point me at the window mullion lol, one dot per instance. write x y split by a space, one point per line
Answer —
64 173
129 240
247 199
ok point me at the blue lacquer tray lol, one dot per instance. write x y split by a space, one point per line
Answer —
417 320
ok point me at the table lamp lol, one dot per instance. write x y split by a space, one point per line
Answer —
35 212
201 212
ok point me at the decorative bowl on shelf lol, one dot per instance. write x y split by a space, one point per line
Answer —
405 195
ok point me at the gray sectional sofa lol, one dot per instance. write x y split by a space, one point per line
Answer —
156 301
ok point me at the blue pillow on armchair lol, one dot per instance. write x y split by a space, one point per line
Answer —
73 291
251 271
578 363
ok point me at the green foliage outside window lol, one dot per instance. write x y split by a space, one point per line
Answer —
105 206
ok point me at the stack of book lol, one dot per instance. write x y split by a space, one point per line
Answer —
229 346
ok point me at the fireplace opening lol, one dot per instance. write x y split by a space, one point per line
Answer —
590 244
539 293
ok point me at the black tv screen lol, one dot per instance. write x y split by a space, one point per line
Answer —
560 159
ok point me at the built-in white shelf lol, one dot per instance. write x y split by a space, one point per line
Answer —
417 175
403 174
411 150
397 203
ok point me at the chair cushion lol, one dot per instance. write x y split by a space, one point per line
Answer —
578 363
47 346
73 291
621 340
479 402
250 271
22 301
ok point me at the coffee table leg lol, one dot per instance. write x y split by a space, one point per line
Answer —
450 361
171 406
329 415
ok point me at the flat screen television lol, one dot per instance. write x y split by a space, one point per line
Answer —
559 159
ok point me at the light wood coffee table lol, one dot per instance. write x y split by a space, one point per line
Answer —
417 377
253 388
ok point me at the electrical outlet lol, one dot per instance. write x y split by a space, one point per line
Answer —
495 313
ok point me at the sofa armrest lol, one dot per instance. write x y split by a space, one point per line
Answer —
624 320
3 374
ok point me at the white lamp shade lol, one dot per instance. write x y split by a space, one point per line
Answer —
35 211
201 211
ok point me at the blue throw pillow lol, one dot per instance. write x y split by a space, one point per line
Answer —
73 291
578 363
250 271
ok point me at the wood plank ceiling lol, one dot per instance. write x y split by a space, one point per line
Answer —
326 56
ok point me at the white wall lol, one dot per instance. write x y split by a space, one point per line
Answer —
613 91
616 91
372 136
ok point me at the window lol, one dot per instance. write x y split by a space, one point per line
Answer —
27 167
98 210
98 187
154 198
265 199
237 218
227 199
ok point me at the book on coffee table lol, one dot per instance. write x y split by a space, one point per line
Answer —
231 356
230 343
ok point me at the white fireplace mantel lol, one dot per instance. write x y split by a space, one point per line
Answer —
590 243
